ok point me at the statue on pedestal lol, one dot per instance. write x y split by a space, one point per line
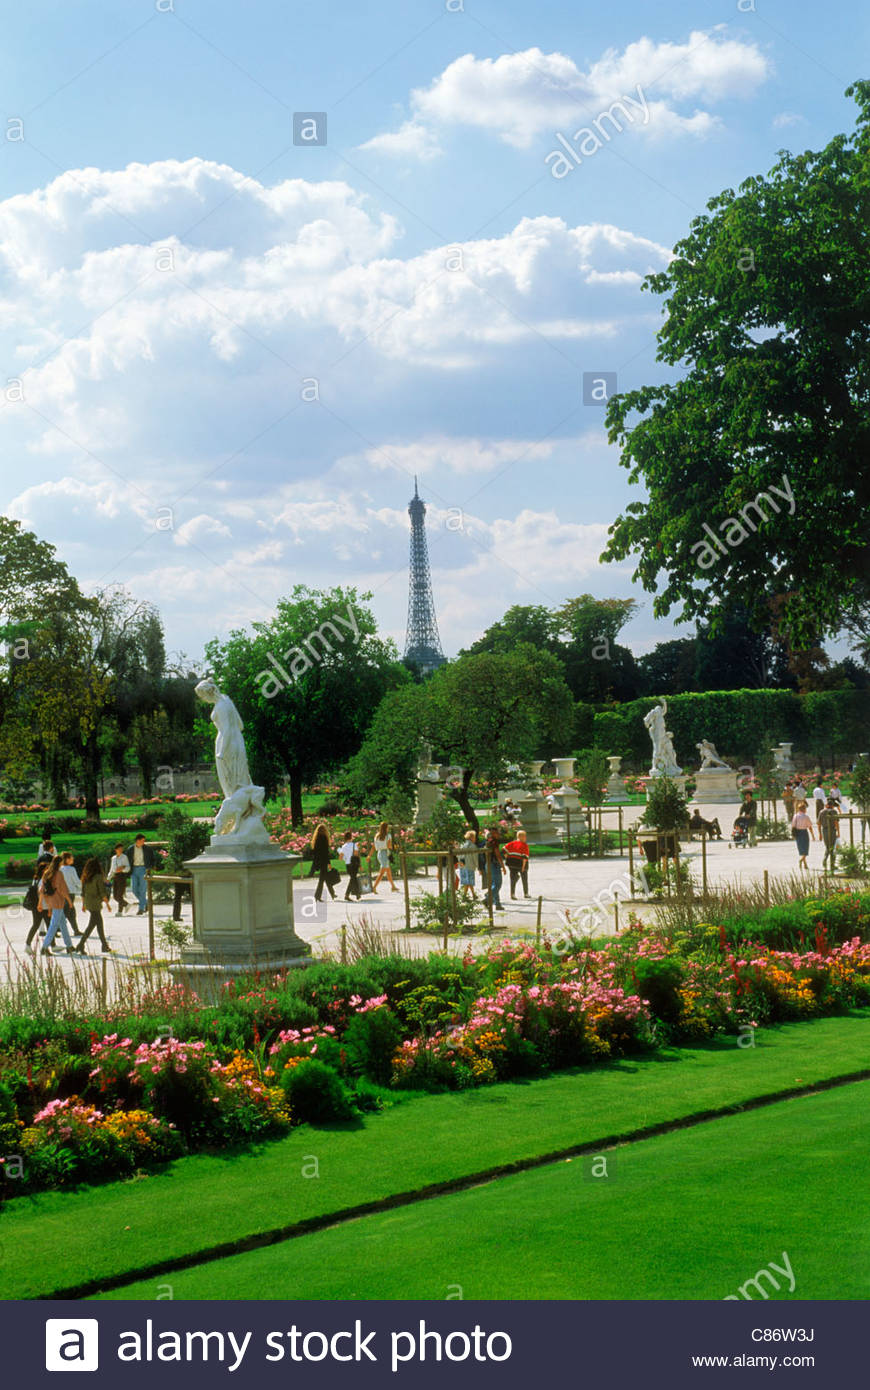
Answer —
710 760
241 811
664 760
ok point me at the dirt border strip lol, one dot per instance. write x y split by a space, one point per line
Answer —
262 1239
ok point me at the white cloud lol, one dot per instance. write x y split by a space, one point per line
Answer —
194 531
413 140
785 119
519 96
148 389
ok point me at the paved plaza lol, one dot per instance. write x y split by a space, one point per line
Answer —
578 887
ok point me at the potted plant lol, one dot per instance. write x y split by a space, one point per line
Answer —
665 815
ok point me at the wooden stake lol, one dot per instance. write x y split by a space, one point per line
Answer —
404 858
150 915
538 923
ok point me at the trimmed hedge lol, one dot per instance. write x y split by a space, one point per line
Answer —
743 724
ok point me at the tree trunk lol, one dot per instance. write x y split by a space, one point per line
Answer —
463 800
296 816
91 776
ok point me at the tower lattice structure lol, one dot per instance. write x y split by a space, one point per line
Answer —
422 643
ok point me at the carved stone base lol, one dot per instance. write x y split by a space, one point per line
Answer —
717 785
242 912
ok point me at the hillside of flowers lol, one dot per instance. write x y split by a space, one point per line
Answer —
162 1073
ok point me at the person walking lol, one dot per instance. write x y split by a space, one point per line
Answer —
95 896
74 884
829 830
802 828
321 860
383 845
351 856
749 810
467 854
495 862
141 858
119 868
517 860
788 800
53 898
46 853
820 797
38 916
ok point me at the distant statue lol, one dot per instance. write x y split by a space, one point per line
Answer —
241 811
664 759
425 772
710 759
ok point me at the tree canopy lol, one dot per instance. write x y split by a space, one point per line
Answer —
756 461
306 684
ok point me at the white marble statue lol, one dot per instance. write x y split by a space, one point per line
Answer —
241 811
664 759
710 760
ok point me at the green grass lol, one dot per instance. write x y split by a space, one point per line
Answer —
688 1215
58 1240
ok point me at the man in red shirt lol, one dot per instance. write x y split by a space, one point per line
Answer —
517 859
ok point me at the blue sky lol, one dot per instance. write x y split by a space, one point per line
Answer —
177 277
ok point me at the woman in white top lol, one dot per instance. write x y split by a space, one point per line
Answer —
383 845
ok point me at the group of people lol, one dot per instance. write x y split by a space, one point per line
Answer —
352 853
56 884
512 860
491 860
796 799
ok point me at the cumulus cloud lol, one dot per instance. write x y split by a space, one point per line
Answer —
412 140
519 96
172 313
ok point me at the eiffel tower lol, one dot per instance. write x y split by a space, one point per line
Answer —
422 643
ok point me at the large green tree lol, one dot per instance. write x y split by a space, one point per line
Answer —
306 684
756 461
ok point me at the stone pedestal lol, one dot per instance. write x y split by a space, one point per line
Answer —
717 784
615 783
429 793
537 821
243 914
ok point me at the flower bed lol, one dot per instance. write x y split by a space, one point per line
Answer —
82 1098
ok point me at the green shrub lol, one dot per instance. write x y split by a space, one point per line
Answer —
185 838
659 981
370 1040
462 914
315 1093
667 808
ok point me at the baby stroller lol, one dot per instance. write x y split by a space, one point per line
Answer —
740 834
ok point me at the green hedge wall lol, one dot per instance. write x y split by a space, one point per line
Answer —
825 725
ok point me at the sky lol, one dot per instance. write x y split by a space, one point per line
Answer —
262 265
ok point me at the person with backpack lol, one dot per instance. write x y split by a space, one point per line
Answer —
95 896
54 897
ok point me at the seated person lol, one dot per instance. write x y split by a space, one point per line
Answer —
712 827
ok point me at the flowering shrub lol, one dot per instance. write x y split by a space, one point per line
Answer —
79 1104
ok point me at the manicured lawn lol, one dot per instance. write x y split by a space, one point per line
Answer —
58 1240
688 1215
